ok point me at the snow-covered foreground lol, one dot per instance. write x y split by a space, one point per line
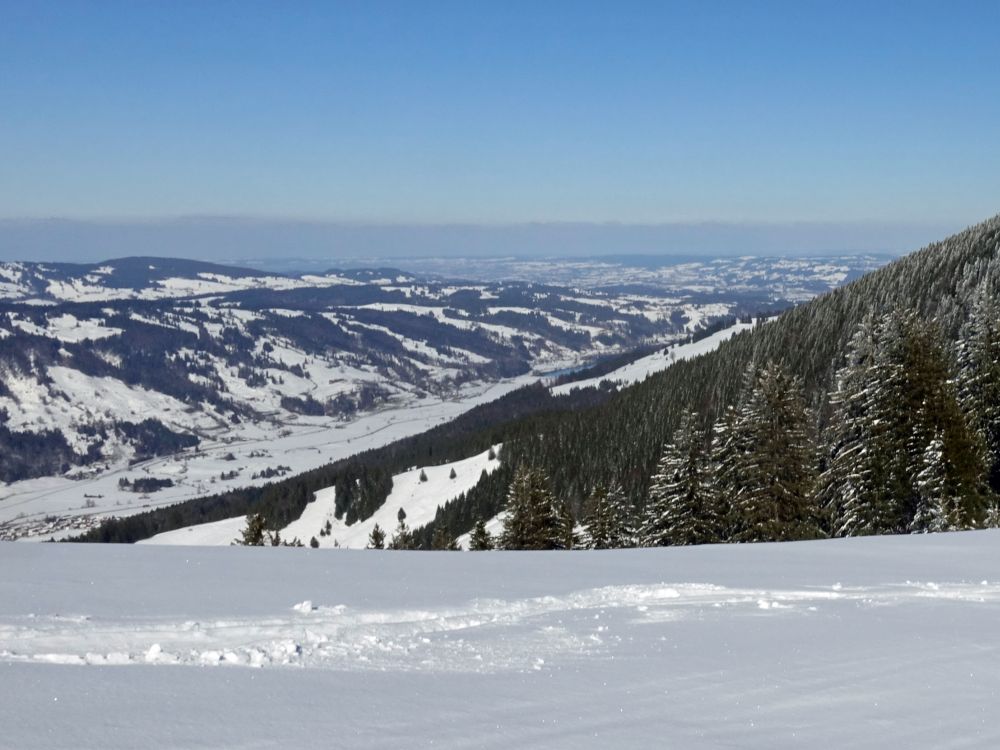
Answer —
847 643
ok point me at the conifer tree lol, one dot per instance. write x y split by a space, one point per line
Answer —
854 496
402 538
900 441
376 539
729 444
443 540
254 532
480 540
932 513
776 498
567 537
681 508
924 408
533 521
979 360
609 520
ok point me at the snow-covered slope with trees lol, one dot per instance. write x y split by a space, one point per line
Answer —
139 382
417 492
642 368
857 643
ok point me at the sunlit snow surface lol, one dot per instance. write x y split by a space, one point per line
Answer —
419 499
847 643
640 369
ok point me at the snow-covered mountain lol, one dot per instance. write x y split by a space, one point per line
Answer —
145 381
134 358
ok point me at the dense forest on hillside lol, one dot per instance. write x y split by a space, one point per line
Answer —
916 339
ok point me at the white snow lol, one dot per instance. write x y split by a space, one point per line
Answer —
419 500
301 445
494 528
439 314
642 368
67 328
861 643
214 534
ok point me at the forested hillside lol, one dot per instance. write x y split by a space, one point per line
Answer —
871 409
773 395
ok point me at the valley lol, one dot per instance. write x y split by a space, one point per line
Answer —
139 383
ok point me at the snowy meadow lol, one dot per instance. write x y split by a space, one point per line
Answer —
850 642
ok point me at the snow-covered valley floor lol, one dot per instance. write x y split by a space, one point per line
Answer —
302 446
846 643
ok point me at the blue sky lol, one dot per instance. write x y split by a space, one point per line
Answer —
501 113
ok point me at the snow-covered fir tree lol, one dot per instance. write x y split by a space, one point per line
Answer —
402 538
729 444
932 513
253 534
979 361
443 540
534 520
854 497
775 499
480 540
376 539
896 397
609 520
926 408
681 508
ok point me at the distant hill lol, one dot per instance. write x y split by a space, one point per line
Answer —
619 439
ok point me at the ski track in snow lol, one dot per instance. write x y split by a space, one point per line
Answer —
484 636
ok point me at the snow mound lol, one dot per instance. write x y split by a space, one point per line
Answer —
214 534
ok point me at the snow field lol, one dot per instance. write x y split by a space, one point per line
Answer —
301 445
215 534
842 643
494 526
636 372
419 500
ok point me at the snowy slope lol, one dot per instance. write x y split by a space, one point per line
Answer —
494 527
215 534
861 643
419 500
29 505
263 361
636 372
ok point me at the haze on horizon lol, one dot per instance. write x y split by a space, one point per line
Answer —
231 130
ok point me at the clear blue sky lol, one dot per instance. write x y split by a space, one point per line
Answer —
501 112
